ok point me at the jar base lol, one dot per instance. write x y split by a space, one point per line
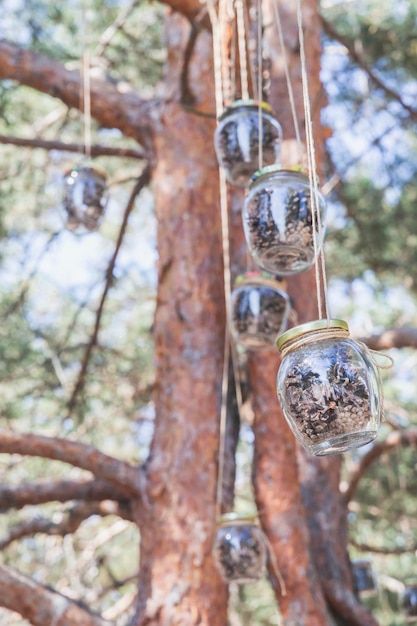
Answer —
342 443
285 260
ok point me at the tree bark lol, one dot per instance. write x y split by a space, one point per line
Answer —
301 508
296 495
111 106
178 583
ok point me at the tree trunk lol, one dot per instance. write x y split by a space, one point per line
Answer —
301 508
178 582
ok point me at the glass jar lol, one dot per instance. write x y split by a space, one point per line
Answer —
84 197
363 578
260 311
409 604
278 220
328 387
236 140
239 548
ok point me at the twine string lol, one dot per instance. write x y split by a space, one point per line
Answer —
243 55
288 80
319 260
304 340
86 82
260 96
275 568
224 214
373 355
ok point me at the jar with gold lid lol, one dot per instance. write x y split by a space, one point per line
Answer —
260 309
84 198
239 548
281 233
329 387
236 140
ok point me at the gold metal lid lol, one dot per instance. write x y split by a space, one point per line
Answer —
309 327
235 516
252 104
276 168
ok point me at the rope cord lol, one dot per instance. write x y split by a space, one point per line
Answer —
373 354
226 259
252 62
275 568
319 263
288 80
312 337
243 58
259 51
86 83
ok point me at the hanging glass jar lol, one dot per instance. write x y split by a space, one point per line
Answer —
363 578
260 310
85 196
278 220
236 140
239 548
328 387
409 603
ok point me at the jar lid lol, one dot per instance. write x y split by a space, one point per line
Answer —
86 167
234 516
246 103
259 278
275 168
309 327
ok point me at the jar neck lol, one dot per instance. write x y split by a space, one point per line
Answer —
261 281
312 337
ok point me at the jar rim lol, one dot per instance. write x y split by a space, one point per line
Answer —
249 103
309 327
235 516
276 168
90 168
259 278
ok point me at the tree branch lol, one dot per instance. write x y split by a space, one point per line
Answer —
404 337
79 385
360 61
24 494
404 437
69 523
42 606
127 478
111 106
365 547
345 604
96 150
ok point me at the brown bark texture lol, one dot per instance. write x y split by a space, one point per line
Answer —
300 505
173 499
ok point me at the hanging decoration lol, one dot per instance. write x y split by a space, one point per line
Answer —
239 548
278 220
260 309
409 603
85 192
363 578
85 196
237 140
329 387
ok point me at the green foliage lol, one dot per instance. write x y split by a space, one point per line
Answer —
51 283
